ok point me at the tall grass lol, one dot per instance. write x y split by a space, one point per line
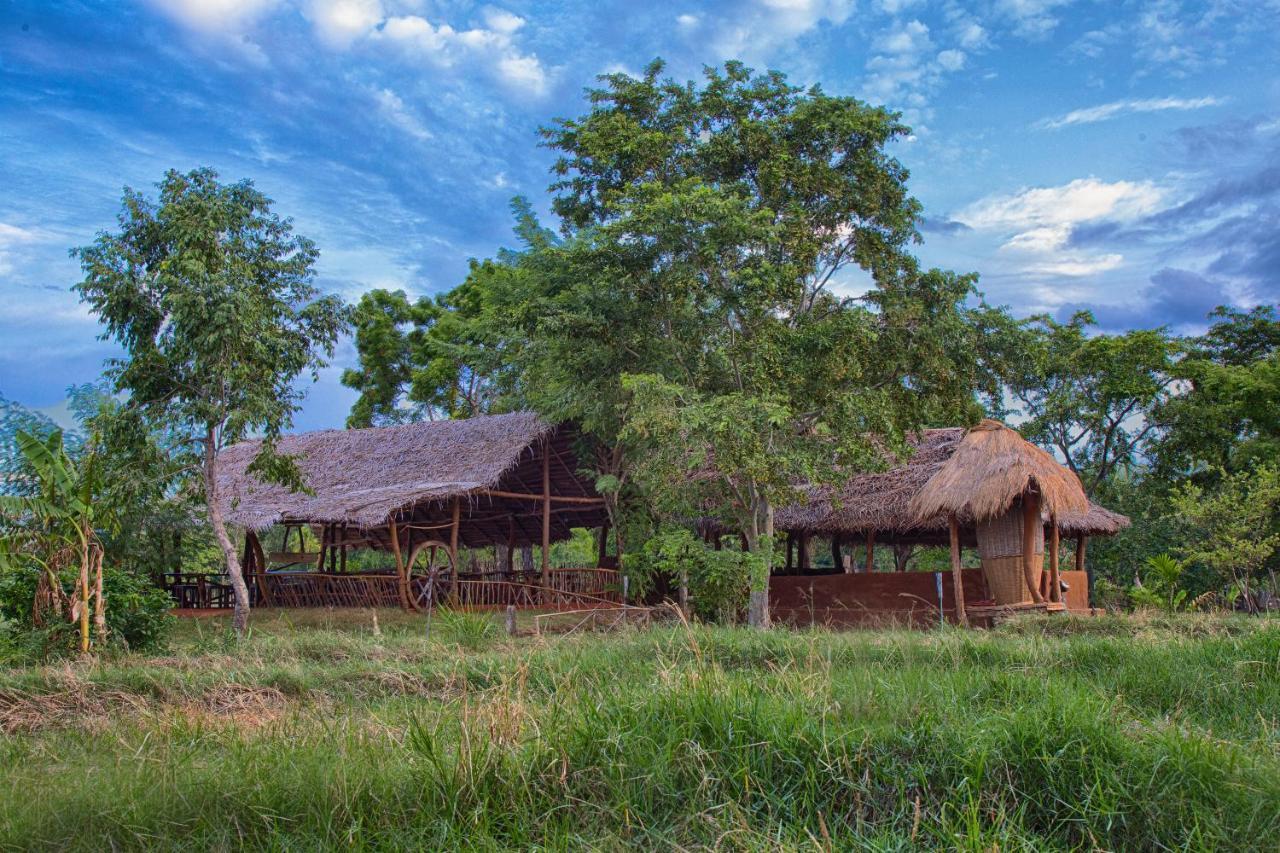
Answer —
318 732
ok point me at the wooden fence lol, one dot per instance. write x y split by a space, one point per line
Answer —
574 587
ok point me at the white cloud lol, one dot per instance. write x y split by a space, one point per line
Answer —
215 15
393 108
896 7
951 60
1031 19
754 30
495 47
340 22
687 21
1102 112
971 35
13 240
1036 223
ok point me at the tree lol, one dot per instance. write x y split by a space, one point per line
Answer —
211 296
54 527
720 222
1087 395
1233 526
1226 414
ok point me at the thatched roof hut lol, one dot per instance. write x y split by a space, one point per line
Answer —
992 467
882 503
366 478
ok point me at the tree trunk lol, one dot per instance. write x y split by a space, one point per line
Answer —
99 603
84 594
240 619
761 542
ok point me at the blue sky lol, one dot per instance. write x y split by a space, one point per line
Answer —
1120 156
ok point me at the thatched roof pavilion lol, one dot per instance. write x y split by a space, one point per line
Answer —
509 480
881 503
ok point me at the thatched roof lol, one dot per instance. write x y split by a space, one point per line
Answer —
993 466
362 477
883 501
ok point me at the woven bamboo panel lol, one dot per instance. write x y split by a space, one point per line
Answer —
1005 580
1002 537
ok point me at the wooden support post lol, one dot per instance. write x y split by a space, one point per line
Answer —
957 576
511 620
453 548
343 549
837 558
400 567
324 542
602 552
1055 586
871 552
546 517
1082 542
791 545
511 544
1030 524
803 545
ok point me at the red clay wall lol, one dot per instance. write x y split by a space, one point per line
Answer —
886 597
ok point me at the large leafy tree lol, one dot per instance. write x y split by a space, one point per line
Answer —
211 296
1226 414
721 221
1088 395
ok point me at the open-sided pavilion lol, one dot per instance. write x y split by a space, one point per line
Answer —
419 493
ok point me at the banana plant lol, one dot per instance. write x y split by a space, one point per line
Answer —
53 528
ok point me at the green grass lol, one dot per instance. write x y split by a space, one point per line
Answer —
317 733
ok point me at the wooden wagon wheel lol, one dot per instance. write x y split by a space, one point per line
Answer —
429 562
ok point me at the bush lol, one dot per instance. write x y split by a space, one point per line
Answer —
718 580
138 616
469 630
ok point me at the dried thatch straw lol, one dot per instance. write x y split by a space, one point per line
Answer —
363 476
991 468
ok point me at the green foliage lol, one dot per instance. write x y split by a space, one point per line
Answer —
1161 587
469 630
1085 395
138 617
210 295
1232 529
717 580
1227 418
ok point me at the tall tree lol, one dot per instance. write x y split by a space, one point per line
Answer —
211 296
1225 415
722 220
1087 395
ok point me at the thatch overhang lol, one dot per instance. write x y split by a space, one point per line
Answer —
412 473
882 502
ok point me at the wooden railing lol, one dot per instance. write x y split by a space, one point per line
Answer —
585 587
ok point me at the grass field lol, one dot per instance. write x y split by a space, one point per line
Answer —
317 733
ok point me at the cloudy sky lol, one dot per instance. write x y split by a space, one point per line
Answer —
1120 155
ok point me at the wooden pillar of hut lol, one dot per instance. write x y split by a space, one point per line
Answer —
803 545
1055 585
453 547
343 552
1082 542
511 544
258 558
791 547
837 557
1030 523
957 574
870 564
393 534
602 552
546 516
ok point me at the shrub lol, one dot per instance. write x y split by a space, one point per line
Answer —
138 616
470 630
718 580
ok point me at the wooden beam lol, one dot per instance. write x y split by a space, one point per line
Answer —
871 552
957 575
453 547
546 517
1055 587
394 535
1030 524
1082 542
526 496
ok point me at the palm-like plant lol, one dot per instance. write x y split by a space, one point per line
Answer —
53 528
